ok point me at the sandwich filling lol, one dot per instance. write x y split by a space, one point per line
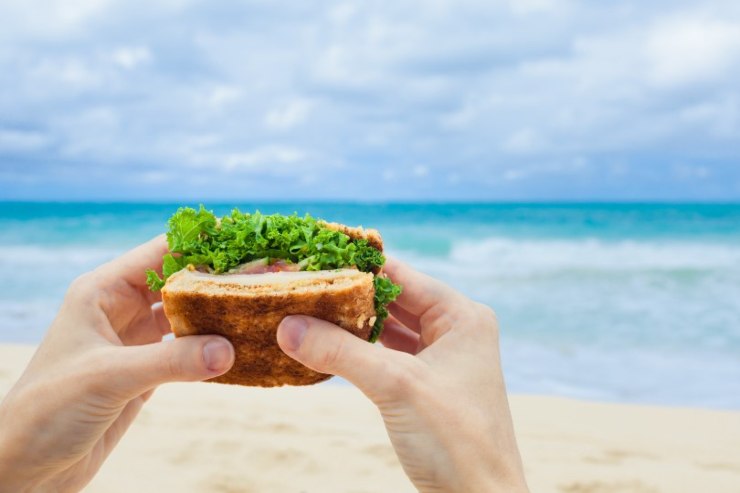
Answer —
254 244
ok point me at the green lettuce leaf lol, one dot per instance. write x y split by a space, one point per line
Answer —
197 237
386 292
153 280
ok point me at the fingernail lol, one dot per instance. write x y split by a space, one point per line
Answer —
217 354
294 329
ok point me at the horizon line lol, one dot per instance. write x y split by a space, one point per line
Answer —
380 202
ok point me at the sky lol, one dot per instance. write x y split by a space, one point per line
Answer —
384 100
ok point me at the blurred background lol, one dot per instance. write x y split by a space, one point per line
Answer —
576 168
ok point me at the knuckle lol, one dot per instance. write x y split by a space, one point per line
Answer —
164 363
487 313
79 285
85 288
438 315
172 366
488 317
440 319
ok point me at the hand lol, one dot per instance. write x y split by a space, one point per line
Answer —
437 382
99 362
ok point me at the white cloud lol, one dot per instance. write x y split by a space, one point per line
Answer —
691 172
154 177
14 140
288 115
479 92
461 117
525 7
420 171
44 19
262 157
685 50
719 116
389 175
131 57
524 141
75 73
342 13
336 64
222 95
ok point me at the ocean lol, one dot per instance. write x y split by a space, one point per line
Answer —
616 302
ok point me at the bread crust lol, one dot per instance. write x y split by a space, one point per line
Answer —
249 319
358 233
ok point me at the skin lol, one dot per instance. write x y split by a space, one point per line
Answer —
100 361
437 382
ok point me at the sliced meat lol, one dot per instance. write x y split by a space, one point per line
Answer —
263 265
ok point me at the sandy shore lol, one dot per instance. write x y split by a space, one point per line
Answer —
220 439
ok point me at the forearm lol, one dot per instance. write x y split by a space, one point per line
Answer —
483 452
456 453
11 483
19 472
478 470
494 480
14 478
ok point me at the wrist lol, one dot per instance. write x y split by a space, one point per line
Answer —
15 476
489 469
502 485
488 481
489 460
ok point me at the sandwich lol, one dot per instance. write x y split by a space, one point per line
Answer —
238 276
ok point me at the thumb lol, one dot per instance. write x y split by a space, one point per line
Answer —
322 346
184 359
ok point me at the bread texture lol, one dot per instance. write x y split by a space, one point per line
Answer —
247 309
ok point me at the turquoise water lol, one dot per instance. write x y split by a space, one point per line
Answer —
625 302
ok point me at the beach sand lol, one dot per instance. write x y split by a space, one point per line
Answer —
219 439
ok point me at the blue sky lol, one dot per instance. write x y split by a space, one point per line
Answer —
386 100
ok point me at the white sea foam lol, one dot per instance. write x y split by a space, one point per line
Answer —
35 279
37 256
644 321
641 321
553 256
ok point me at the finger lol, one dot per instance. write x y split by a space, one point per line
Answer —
420 291
399 337
147 328
154 296
407 319
132 265
137 369
327 348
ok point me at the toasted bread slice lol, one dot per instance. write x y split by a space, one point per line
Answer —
359 233
246 309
